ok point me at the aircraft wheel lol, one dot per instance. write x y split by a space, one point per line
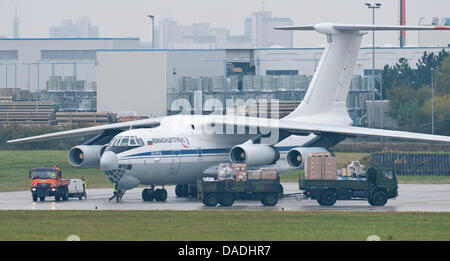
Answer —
182 190
193 191
160 195
148 195
178 190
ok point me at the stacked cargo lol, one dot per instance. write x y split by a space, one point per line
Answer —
241 171
268 174
253 174
320 166
85 117
26 112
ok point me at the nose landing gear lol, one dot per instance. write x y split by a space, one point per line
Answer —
150 194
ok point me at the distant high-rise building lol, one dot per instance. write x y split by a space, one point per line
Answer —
16 24
259 32
171 35
260 29
81 28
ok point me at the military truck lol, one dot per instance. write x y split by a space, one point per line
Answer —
379 186
225 192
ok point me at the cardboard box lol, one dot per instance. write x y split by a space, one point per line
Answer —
239 167
241 176
268 173
253 174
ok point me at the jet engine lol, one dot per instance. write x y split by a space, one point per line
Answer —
296 157
254 154
85 156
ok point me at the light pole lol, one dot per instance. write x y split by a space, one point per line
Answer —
432 101
373 7
153 29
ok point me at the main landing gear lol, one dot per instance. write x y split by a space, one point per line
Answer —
150 194
186 191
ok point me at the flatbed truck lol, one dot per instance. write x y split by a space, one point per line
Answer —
379 186
225 192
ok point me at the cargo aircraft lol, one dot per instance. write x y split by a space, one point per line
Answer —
180 149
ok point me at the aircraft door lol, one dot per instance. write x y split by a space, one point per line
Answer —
175 162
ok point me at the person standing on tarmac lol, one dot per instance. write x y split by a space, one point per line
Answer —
116 192
84 187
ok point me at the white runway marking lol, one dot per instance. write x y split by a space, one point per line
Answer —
412 197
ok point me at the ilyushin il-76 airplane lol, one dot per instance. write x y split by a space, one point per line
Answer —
180 149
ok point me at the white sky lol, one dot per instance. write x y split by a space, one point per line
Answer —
124 18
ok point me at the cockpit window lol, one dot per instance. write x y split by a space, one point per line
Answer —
124 141
140 142
117 141
132 141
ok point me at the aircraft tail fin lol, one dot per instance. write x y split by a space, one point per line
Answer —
327 92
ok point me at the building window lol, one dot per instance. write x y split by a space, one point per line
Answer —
68 54
282 72
9 55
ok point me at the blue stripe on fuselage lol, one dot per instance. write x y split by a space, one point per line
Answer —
196 152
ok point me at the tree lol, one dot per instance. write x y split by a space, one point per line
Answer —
409 93
441 114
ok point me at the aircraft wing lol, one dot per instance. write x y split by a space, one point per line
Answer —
304 128
122 126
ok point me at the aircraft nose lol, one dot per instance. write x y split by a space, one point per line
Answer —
109 161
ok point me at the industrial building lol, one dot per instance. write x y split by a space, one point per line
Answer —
54 69
147 82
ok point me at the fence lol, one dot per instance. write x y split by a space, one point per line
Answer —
414 164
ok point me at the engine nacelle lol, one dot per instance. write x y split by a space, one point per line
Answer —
254 154
296 157
85 156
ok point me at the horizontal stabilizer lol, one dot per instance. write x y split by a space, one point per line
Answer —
330 28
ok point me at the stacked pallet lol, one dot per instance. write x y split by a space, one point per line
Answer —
272 109
131 118
320 166
26 112
85 117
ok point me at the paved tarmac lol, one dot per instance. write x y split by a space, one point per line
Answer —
412 197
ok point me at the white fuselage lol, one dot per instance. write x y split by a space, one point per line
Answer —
175 153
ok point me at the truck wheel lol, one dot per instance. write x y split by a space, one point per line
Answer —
280 190
210 200
269 199
35 198
65 195
57 198
379 198
328 199
80 197
42 198
226 200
